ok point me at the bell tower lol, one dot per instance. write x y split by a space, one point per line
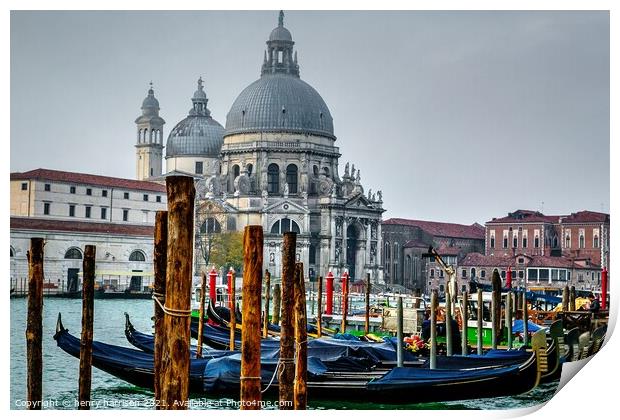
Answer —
150 134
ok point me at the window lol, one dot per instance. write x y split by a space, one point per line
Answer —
126 196
483 273
312 254
493 242
521 260
104 193
536 242
515 241
505 242
158 198
464 273
521 274
24 186
273 179
532 274
543 274
473 273
87 212
503 274
249 168
432 274
236 171
524 240
125 215
198 167
48 187
562 275
441 274
291 178
145 197
137 255
387 250
442 288
555 241
46 208
582 240
73 254
595 241
555 275
89 191
71 210
567 239
104 213
72 190
211 225
285 225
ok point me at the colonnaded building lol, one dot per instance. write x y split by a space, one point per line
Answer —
274 164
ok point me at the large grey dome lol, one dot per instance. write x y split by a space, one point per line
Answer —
279 102
198 134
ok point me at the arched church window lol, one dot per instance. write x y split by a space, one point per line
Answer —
285 225
235 171
386 251
73 254
249 167
12 252
315 171
326 171
273 179
211 225
137 255
291 178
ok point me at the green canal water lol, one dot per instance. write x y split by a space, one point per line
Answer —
60 370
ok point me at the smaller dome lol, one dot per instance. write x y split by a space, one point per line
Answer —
150 103
280 34
195 136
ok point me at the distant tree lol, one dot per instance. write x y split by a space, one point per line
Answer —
227 251
208 229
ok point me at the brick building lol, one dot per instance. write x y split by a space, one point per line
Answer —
405 240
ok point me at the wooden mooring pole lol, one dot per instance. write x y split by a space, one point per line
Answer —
525 321
174 371
345 301
448 322
300 390
251 310
232 301
399 332
201 314
160 250
286 376
86 342
34 327
319 304
277 302
367 310
565 304
496 308
571 299
509 304
267 296
433 350
464 318
479 316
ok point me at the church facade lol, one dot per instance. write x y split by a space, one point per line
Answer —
275 164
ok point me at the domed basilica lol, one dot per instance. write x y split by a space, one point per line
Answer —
275 164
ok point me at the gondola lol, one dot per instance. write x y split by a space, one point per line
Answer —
220 376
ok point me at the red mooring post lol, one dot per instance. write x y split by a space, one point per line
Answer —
345 292
604 289
329 291
509 278
212 278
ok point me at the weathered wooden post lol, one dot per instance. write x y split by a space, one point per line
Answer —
286 375
399 333
201 314
448 321
251 309
465 318
509 318
232 301
571 299
174 370
319 315
479 322
345 301
367 311
86 342
312 299
496 308
267 296
277 301
34 327
525 321
159 293
301 341
433 356
565 304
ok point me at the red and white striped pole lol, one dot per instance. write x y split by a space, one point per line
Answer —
212 278
345 285
229 285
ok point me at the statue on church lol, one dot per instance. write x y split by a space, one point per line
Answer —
265 196
357 178
353 171
370 193
380 195
285 190
346 170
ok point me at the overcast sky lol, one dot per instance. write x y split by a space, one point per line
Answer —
456 116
